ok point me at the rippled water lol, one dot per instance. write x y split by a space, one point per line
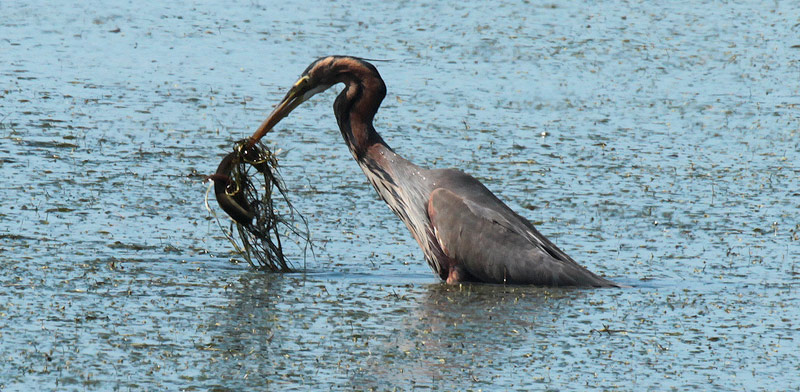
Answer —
657 145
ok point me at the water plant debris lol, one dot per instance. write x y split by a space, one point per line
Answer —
248 187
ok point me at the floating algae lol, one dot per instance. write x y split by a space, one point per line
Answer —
259 218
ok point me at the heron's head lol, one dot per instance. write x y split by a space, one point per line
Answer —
318 77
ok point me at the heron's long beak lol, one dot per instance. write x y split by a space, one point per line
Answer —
293 98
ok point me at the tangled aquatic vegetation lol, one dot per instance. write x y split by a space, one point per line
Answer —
249 188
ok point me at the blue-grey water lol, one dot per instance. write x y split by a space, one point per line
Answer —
658 144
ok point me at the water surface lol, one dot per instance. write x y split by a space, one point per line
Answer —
657 145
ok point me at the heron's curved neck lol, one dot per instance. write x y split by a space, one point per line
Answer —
396 180
355 107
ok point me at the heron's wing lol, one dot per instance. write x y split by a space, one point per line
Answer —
493 244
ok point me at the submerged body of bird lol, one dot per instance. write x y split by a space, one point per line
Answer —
466 233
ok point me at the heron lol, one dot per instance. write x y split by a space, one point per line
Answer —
467 234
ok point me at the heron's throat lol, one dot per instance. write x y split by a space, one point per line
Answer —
355 108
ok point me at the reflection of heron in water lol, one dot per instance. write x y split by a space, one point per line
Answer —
453 338
464 230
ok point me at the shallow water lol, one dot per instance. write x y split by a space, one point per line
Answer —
656 145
